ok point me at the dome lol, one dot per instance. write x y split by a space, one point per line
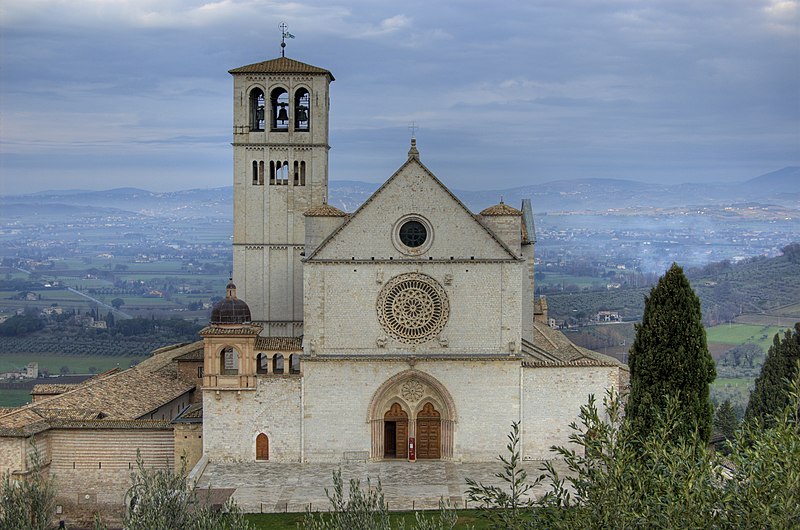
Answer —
231 310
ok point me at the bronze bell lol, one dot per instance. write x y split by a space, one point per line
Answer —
302 113
282 114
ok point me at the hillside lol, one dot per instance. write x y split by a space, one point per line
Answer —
761 286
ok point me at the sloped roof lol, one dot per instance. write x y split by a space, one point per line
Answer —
500 209
278 344
550 347
411 160
281 65
52 389
231 329
125 395
324 210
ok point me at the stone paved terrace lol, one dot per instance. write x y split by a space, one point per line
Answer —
276 487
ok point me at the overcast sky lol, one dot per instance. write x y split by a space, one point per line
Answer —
101 94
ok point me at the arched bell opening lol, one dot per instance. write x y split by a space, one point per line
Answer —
256 109
302 110
279 104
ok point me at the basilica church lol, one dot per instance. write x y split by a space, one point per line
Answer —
405 330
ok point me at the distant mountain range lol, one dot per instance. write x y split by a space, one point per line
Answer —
780 187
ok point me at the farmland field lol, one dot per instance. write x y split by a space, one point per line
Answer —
734 334
77 364
14 397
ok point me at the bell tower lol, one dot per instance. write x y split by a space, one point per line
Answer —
280 170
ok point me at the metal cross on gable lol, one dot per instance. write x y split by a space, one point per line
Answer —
413 128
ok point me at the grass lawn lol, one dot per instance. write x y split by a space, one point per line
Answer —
740 333
77 364
292 521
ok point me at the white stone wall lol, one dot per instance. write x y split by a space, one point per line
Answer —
484 300
268 231
456 233
552 400
92 468
232 420
338 395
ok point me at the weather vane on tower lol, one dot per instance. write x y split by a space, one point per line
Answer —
284 35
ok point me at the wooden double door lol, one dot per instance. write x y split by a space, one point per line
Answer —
428 433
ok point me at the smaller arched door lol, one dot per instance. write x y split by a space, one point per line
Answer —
262 447
395 432
429 432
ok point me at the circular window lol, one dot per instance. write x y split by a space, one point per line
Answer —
413 308
413 234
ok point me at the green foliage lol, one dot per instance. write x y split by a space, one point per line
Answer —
360 510
619 479
506 509
21 325
670 360
764 489
769 396
28 503
725 421
161 498
116 303
367 510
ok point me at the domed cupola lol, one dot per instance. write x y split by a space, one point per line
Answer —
231 310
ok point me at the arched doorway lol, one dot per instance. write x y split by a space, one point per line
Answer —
262 447
412 404
429 432
395 432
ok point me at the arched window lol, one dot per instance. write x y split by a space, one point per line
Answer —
296 173
284 173
302 109
261 173
302 173
256 109
255 173
262 363
229 361
279 100
262 447
272 172
277 364
294 364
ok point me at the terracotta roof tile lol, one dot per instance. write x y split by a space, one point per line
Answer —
550 347
500 209
281 65
237 329
324 210
125 395
278 344
52 389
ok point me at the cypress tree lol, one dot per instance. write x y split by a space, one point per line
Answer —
769 396
670 358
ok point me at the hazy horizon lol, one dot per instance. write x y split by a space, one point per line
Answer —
135 93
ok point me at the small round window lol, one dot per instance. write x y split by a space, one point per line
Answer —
413 234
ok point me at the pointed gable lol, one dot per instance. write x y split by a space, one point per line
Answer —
413 192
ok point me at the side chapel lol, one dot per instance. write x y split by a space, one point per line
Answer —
406 329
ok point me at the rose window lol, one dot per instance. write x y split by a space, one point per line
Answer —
413 308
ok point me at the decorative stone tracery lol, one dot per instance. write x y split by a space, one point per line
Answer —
413 308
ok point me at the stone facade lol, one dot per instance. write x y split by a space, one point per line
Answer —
420 336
